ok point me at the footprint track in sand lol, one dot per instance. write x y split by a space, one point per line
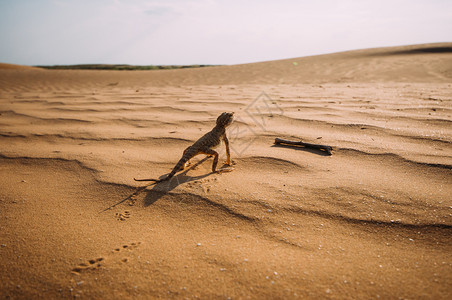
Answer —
94 264
127 247
122 216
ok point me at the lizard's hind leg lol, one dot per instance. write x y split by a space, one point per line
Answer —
187 163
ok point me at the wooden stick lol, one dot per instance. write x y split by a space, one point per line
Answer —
328 149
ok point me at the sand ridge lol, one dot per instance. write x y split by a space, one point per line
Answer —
372 220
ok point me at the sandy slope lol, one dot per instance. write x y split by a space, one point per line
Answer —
374 219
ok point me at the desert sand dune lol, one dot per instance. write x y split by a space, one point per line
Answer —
371 221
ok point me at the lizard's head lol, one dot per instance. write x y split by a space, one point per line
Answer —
225 119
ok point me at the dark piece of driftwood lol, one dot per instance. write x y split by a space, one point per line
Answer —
328 149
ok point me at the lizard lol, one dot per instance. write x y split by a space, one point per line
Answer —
204 145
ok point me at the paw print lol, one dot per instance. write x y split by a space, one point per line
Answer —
91 264
122 216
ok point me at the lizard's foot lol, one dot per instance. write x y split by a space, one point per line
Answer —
229 163
185 166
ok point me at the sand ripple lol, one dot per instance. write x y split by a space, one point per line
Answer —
375 217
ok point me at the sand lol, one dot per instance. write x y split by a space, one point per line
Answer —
373 220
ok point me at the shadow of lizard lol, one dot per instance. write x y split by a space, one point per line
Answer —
159 189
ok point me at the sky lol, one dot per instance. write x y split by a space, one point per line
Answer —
175 32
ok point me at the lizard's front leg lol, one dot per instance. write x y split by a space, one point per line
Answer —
228 152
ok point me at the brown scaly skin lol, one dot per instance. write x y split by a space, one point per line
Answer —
205 146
